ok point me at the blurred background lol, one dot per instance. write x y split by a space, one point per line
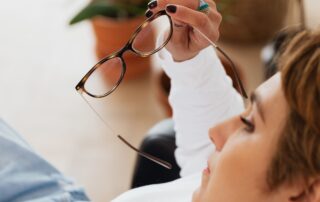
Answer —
42 58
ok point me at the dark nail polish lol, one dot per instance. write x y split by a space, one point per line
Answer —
152 4
149 14
171 8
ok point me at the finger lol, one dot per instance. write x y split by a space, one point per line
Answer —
207 24
213 13
211 3
148 13
152 4
192 17
159 5
155 6
193 4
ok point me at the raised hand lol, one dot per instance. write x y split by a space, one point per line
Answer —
186 41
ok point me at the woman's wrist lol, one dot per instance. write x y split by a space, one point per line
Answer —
184 57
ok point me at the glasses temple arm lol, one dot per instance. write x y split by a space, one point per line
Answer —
235 73
233 67
148 156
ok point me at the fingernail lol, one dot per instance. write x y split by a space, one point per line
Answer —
149 14
171 8
152 4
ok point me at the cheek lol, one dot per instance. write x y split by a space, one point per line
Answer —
245 157
238 171
196 196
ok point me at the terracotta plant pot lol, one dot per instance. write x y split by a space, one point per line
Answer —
164 84
252 20
111 35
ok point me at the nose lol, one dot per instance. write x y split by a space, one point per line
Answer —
220 133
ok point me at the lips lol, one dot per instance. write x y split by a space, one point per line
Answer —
207 169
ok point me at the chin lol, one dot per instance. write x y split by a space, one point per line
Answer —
196 195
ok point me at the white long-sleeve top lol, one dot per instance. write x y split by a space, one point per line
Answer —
201 96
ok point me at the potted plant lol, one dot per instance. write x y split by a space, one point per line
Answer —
252 20
113 22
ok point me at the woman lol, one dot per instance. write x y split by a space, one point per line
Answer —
270 152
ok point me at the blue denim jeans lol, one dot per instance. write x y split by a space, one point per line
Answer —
25 176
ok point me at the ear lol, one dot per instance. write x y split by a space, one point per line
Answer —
311 194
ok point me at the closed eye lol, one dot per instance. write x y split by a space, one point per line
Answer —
249 126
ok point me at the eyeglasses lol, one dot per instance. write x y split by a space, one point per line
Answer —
143 43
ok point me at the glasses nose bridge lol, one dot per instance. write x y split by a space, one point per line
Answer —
126 48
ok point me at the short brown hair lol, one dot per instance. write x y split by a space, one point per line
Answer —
297 156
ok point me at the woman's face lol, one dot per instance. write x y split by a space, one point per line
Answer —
245 146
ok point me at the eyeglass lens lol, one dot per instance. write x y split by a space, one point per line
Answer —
105 77
145 42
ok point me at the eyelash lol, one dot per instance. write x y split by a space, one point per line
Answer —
249 125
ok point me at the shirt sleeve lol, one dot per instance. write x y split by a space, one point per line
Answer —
26 176
201 96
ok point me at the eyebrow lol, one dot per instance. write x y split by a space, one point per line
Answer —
256 98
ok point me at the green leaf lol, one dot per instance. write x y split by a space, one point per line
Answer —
94 9
107 9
